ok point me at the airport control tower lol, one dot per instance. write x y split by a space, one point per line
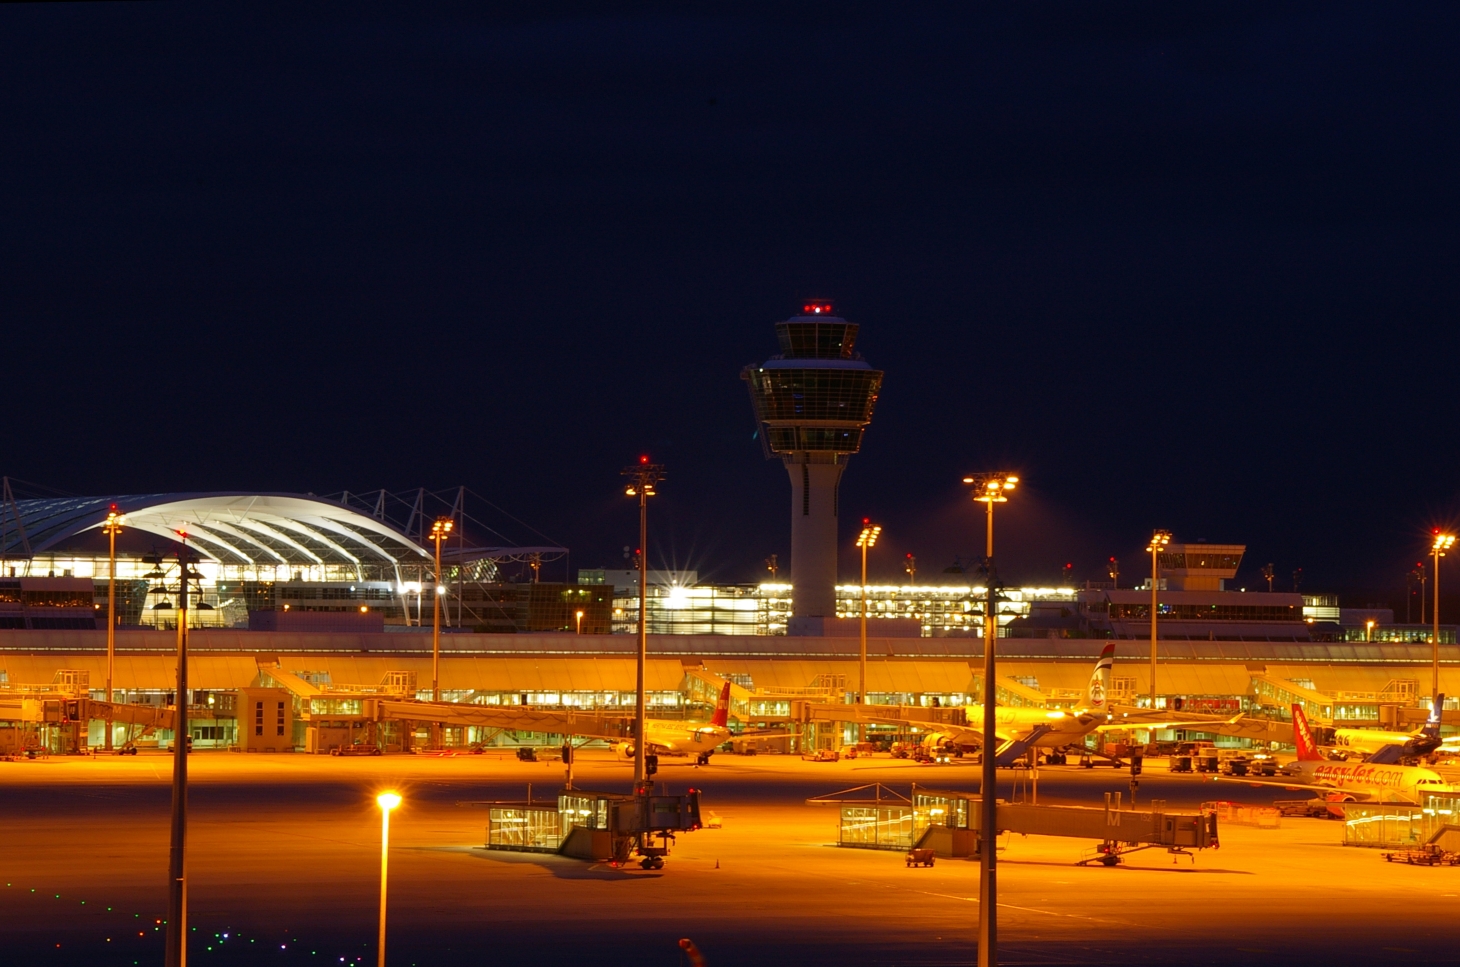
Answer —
813 401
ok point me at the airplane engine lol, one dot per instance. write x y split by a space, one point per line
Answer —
625 749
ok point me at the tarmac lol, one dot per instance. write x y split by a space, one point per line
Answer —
284 865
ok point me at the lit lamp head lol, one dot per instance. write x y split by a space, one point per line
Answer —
992 488
388 800
868 537
114 521
1159 540
1443 542
643 477
441 528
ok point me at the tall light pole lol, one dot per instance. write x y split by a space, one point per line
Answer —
865 541
578 616
386 801
177 885
1441 544
439 532
1158 541
989 489
642 479
111 529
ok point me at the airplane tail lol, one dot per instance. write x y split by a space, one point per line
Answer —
1303 737
1432 724
1100 679
722 708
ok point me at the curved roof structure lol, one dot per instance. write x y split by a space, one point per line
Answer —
232 528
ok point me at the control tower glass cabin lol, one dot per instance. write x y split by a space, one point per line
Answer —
812 402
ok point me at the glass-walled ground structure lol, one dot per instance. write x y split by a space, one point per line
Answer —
279 552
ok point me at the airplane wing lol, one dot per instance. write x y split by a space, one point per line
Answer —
1145 719
1388 755
589 725
1240 725
1285 784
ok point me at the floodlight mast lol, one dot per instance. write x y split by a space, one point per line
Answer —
440 530
643 477
111 529
1159 540
989 489
866 540
1441 544
176 950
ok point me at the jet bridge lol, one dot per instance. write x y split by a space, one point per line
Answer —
595 826
948 822
68 719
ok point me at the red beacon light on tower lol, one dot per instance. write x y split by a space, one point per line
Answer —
816 309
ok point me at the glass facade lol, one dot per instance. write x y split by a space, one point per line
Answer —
530 828
1398 826
817 337
765 609
847 395
873 827
818 395
1198 560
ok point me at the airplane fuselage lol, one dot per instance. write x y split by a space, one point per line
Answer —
1384 783
1065 728
1368 741
680 738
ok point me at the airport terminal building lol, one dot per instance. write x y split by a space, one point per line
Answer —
311 606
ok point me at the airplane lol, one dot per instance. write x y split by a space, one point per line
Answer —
1349 781
1405 745
1020 729
664 736
670 737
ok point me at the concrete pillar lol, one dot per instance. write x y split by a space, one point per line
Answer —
813 533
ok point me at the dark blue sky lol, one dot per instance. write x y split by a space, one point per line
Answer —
1182 265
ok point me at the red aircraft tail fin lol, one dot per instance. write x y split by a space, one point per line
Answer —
1303 737
722 708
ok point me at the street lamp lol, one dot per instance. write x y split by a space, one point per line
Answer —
1441 544
867 539
989 489
111 529
1159 540
578 616
386 801
1369 633
643 477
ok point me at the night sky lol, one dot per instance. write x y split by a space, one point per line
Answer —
1180 265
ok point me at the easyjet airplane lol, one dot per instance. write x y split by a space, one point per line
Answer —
1349 781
